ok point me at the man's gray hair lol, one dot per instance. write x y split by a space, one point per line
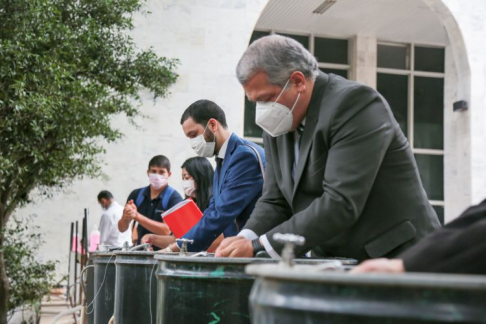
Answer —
278 57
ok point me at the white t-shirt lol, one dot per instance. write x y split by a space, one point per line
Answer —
110 235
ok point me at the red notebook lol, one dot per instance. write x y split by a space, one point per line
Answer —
182 217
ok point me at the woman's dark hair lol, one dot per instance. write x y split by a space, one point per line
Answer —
202 172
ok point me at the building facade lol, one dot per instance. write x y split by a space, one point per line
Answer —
422 55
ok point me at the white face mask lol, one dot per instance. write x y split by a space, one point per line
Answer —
157 181
274 118
189 189
201 147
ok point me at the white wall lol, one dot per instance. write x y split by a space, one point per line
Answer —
465 131
208 37
470 16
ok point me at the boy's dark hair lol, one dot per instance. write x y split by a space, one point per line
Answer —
202 111
105 194
159 161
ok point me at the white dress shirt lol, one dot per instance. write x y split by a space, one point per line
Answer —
109 233
224 147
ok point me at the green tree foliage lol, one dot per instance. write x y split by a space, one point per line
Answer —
29 279
66 68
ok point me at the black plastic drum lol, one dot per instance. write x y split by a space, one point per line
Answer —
135 288
89 289
295 296
206 289
104 282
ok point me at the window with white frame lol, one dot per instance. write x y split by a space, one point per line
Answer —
331 54
411 78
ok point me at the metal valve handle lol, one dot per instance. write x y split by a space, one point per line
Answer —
144 246
290 241
184 242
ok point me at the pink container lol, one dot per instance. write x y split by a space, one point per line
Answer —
94 239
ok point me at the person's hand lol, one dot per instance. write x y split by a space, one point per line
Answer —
148 238
174 247
227 242
170 248
380 265
130 211
238 248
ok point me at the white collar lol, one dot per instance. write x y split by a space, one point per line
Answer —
224 147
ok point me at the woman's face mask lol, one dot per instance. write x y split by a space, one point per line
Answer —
201 147
157 181
189 188
274 118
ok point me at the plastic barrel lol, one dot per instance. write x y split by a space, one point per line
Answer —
90 290
205 289
135 288
104 286
295 296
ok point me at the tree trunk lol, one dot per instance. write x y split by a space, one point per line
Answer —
3 287
3 274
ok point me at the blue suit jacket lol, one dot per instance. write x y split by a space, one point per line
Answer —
234 195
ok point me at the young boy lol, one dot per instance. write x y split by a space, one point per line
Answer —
146 205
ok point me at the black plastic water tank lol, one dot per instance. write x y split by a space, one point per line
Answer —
292 295
89 289
104 285
135 288
206 289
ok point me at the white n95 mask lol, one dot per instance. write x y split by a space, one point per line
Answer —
189 188
201 147
274 118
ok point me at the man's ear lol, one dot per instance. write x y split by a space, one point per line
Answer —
299 80
170 174
213 125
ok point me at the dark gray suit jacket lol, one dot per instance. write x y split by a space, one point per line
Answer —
357 192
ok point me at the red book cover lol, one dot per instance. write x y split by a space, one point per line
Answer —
182 217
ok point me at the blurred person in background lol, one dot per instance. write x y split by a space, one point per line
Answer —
110 236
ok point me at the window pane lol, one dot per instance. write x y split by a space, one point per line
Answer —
439 210
250 128
258 34
393 57
343 73
394 88
431 168
331 50
429 113
429 59
304 40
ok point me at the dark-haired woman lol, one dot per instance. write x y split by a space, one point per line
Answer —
197 183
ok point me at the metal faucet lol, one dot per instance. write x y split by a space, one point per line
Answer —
184 242
290 241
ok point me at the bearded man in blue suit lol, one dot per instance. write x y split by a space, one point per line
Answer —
238 179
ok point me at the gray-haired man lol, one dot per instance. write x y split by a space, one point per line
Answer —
339 172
